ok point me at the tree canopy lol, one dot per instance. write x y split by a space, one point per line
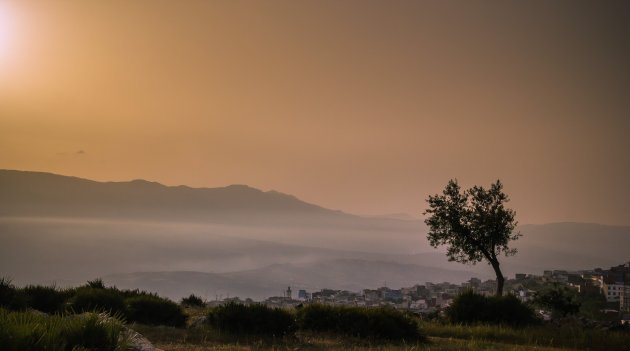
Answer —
474 224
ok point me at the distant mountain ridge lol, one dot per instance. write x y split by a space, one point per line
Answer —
25 193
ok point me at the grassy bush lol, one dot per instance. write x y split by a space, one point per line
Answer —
371 323
470 308
150 309
96 283
87 299
25 331
47 299
560 300
134 293
10 297
253 319
193 301
134 305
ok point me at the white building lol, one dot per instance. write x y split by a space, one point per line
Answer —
612 291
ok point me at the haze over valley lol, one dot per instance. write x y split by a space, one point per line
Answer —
240 241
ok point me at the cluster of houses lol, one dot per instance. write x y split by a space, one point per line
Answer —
421 298
613 283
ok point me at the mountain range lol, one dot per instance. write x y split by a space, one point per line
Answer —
238 240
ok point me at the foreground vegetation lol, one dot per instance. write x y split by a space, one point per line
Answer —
471 308
23 331
371 324
440 337
566 336
94 296
79 319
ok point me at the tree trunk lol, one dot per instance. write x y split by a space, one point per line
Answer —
500 278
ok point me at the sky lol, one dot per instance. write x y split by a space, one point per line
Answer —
363 106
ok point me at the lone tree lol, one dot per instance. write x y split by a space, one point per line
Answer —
474 224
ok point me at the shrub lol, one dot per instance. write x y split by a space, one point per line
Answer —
259 319
25 331
134 293
96 283
44 298
470 307
154 310
193 301
10 297
88 299
371 323
560 300
99 284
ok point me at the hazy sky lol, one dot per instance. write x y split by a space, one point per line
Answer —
363 106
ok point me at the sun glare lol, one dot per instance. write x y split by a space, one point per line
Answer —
6 30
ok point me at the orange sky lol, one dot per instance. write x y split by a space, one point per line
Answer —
362 106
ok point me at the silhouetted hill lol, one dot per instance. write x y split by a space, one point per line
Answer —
38 194
270 215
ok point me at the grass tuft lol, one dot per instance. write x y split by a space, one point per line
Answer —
26 331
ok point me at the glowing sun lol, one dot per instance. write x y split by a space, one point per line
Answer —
6 29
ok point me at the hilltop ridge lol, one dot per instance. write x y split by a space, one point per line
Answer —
26 193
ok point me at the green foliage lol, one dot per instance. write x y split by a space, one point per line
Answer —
369 323
87 299
193 301
25 331
474 224
10 297
560 300
150 309
253 319
134 305
47 299
470 307
592 305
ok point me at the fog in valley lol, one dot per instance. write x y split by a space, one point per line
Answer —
257 262
239 241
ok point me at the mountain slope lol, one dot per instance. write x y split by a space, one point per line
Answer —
243 211
25 193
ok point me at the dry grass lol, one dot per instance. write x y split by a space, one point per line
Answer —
436 344
567 336
442 337
203 339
